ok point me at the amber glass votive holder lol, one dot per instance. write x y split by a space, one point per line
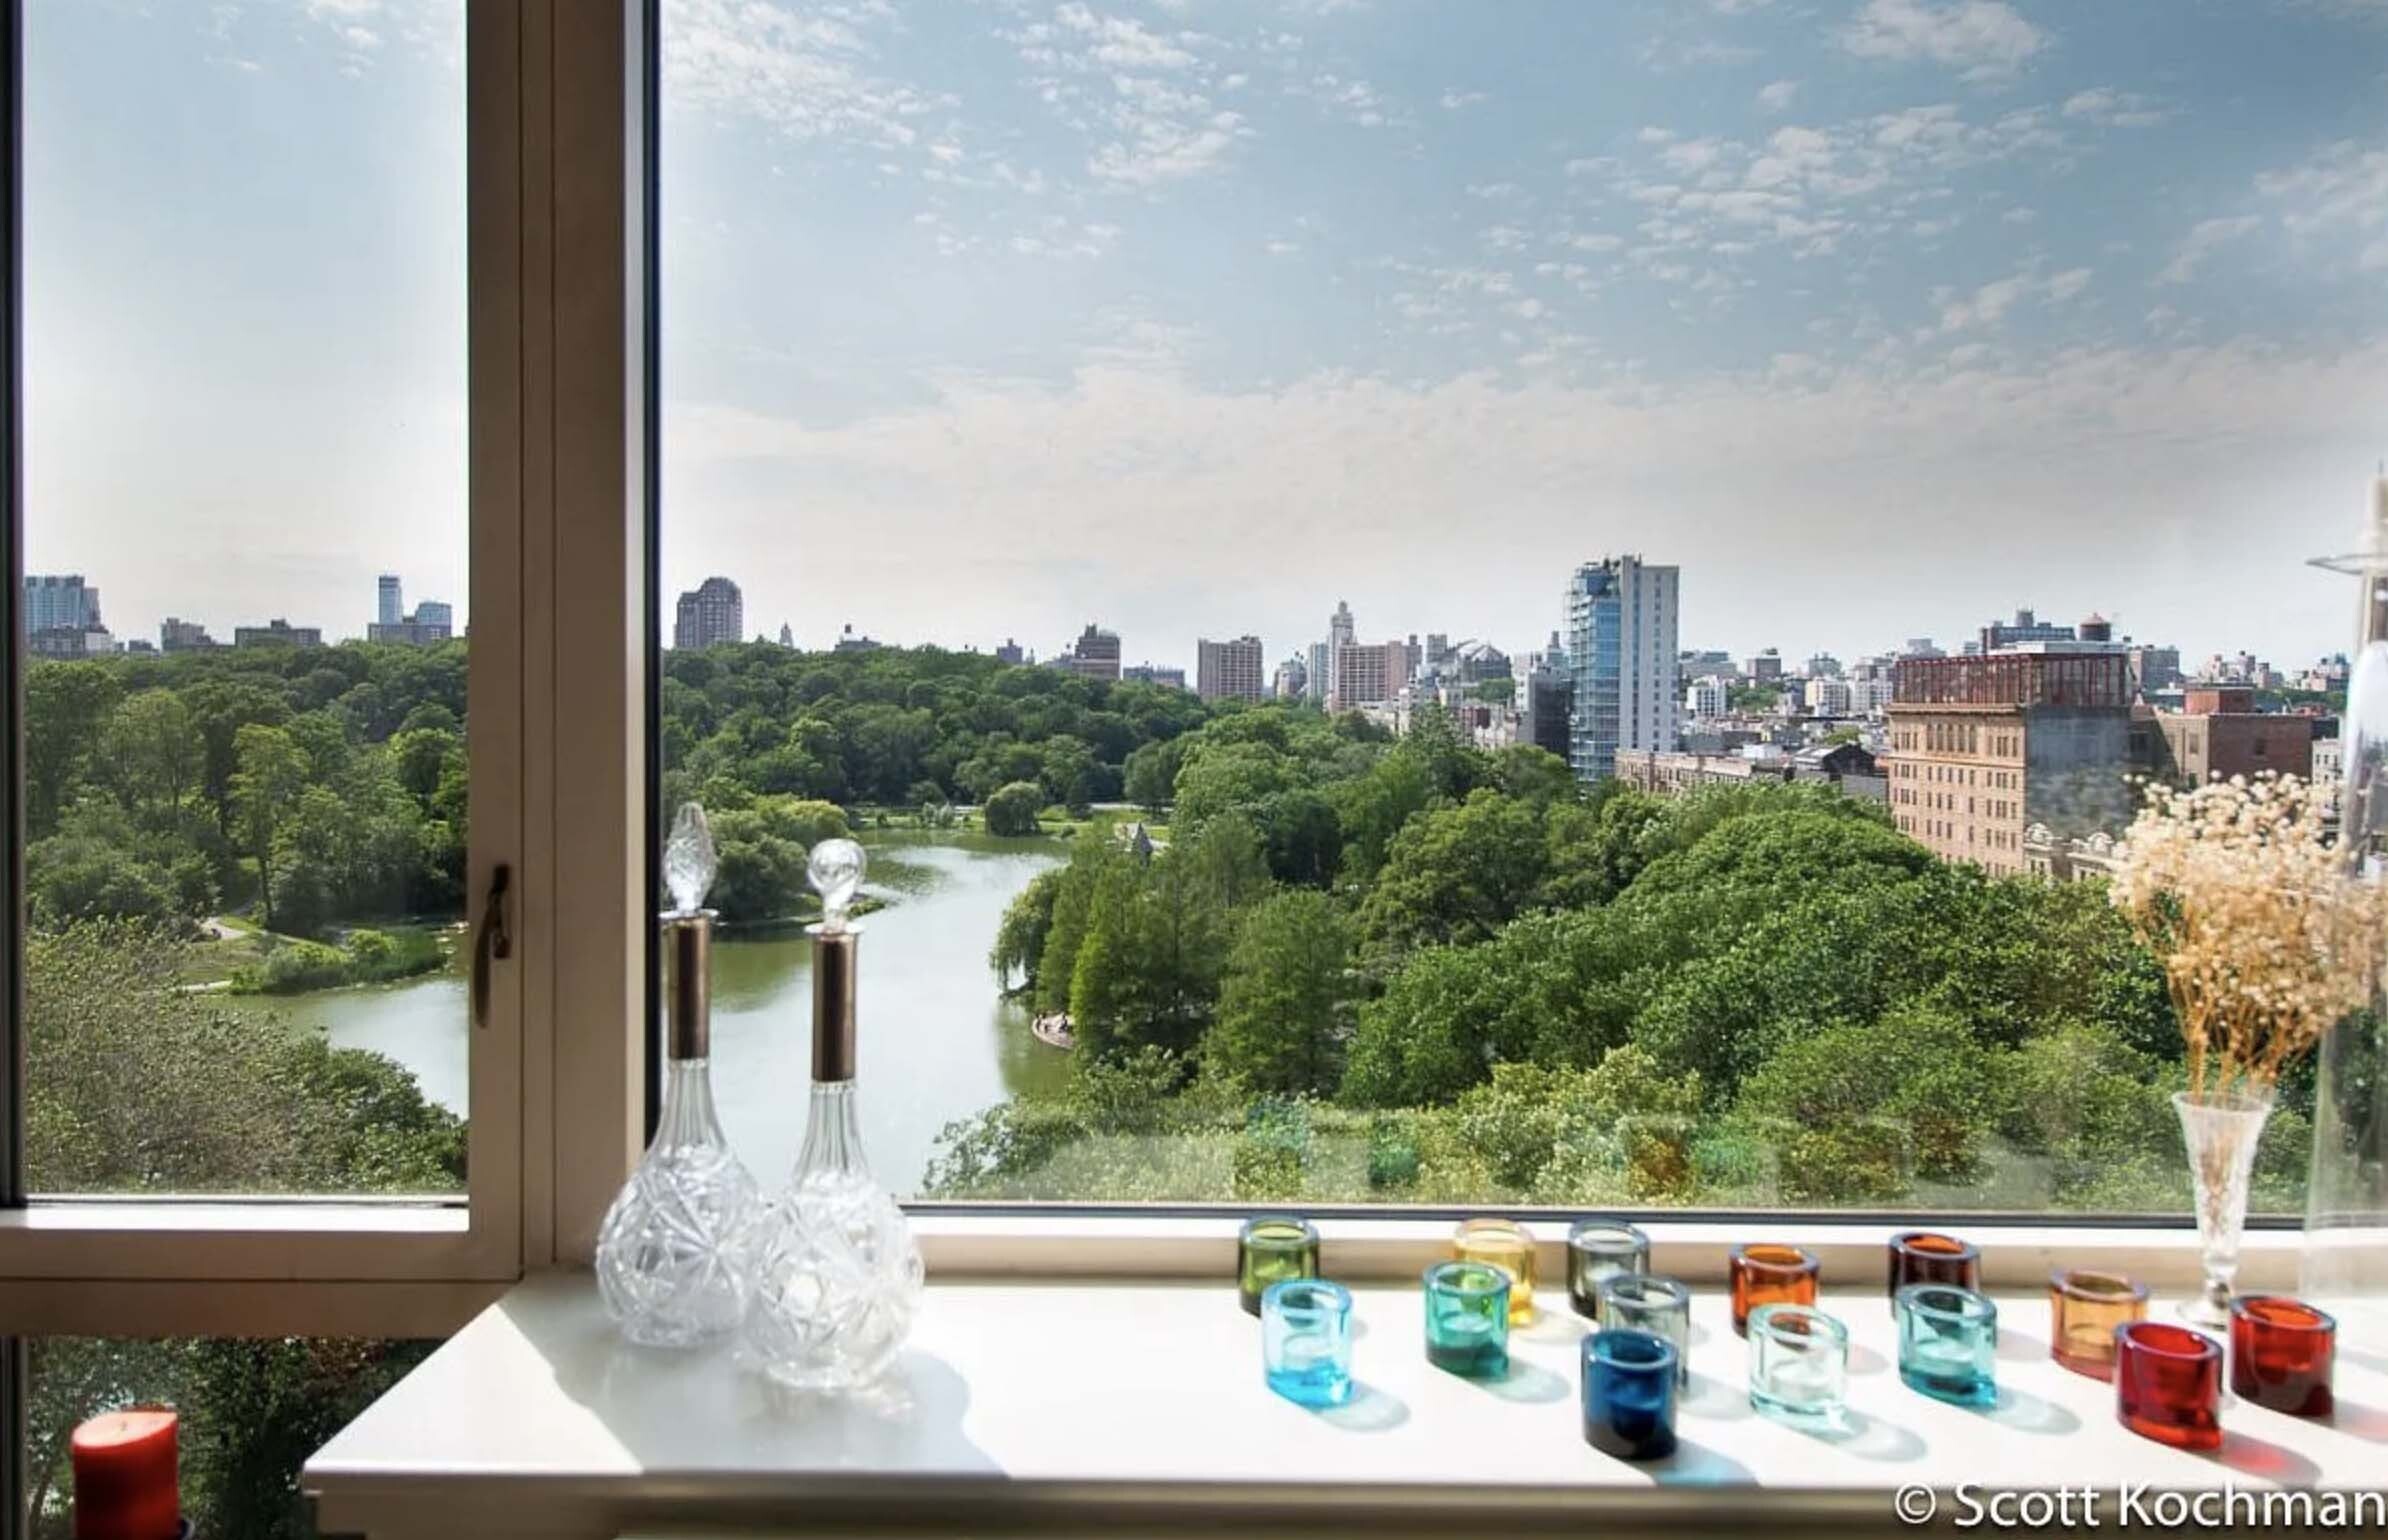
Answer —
1272 1250
1598 1250
2281 1353
1925 1256
1501 1243
1770 1274
2168 1384
2085 1305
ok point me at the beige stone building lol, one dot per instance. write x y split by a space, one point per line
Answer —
1231 670
1982 748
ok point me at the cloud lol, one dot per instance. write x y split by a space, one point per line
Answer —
2110 108
1986 40
807 77
1986 308
2340 194
2203 237
1777 97
1454 99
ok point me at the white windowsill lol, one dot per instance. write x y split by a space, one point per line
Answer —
1135 1405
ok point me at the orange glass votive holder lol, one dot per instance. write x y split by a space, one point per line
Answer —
1770 1274
2281 1353
2085 1305
1501 1243
2168 1384
1921 1256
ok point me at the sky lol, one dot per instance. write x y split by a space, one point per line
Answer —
1877 317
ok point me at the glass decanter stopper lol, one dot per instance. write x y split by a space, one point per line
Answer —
674 1255
837 1277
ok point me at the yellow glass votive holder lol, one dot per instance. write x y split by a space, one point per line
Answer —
1501 1243
2085 1305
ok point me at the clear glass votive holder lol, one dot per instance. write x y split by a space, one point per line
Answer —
1501 1243
1948 1343
1770 1274
2282 1352
2085 1305
1799 1363
1271 1249
1467 1319
1629 1393
2168 1384
1926 1256
1652 1303
1599 1249
1306 1341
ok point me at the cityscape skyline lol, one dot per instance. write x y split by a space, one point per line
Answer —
1191 311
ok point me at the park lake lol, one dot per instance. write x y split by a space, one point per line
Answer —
939 1041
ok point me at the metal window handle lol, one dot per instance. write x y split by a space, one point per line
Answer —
492 941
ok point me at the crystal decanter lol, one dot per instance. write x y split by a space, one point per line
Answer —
837 1276
674 1256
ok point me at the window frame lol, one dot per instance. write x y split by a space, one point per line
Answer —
558 373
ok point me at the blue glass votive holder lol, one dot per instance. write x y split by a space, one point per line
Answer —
1948 1343
1629 1393
1799 1363
1653 1303
1467 1319
1306 1340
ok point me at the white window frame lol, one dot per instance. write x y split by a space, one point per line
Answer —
558 364
559 113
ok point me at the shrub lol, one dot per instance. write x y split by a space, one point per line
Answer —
1012 810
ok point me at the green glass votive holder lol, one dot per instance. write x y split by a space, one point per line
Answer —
1948 1343
1467 1319
1649 1302
1799 1363
1597 1250
1270 1251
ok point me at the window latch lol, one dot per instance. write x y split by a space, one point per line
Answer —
493 942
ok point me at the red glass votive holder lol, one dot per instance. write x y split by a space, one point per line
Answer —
1921 1256
1770 1274
2281 1354
2085 1305
2168 1384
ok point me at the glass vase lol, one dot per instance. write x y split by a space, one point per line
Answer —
2221 1133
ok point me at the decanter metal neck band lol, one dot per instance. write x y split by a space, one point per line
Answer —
688 943
833 1004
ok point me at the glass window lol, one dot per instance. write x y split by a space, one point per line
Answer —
244 597
250 1413
1202 492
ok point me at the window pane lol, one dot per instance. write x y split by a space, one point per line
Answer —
250 1412
244 597
1435 585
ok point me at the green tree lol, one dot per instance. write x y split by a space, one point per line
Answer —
1286 998
1457 874
65 707
271 774
1012 811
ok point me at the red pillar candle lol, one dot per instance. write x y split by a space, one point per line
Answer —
2281 1352
2167 1384
127 1477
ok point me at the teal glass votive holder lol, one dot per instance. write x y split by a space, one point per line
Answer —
1650 1302
1306 1341
1467 1319
1268 1250
1799 1363
1597 1250
1629 1393
1948 1343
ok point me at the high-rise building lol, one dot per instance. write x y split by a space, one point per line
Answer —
1293 679
389 607
1011 652
2218 734
1543 702
1232 670
1095 654
2025 627
709 614
1765 667
1705 697
60 602
787 635
1154 673
1314 681
2154 668
277 633
431 622
433 613
1342 632
177 635
1621 629
1367 674
1983 748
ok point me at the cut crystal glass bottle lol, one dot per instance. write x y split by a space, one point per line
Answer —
837 1277
674 1255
